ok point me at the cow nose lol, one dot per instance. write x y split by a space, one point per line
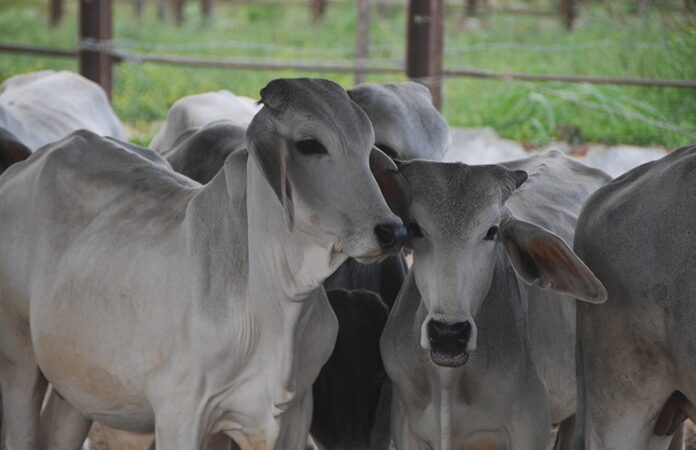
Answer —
449 338
390 235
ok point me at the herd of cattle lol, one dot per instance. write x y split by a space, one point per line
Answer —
242 284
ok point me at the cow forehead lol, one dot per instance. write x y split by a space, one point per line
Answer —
454 197
321 104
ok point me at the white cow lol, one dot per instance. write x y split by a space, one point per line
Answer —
42 107
636 365
150 302
480 343
198 110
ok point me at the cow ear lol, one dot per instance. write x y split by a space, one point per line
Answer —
541 256
11 150
270 152
393 185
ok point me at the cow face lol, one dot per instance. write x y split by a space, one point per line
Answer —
315 147
456 222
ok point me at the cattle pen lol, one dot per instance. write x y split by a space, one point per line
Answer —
97 53
566 75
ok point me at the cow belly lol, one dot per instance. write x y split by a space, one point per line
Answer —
98 394
90 367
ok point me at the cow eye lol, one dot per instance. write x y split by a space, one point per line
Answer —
414 230
310 147
491 233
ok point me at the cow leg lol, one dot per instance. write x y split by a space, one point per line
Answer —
565 436
401 432
294 427
178 427
627 425
23 389
62 426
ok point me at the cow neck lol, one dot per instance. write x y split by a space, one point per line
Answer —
284 264
285 270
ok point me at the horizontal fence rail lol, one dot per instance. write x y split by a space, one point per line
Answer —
334 67
478 73
42 51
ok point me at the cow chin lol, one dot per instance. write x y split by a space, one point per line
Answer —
449 360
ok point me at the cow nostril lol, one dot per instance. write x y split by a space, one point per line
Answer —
464 333
390 235
451 337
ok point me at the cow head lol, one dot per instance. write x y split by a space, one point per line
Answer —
407 125
315 147
457 223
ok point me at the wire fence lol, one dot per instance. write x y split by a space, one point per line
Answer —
343 60
111 47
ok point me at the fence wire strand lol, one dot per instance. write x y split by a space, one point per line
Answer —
117 49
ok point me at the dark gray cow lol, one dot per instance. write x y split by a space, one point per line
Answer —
636 365
349 387
199 153
11 150
479 345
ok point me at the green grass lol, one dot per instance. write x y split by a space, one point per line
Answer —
606 42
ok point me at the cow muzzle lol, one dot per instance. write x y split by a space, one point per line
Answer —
449 342
390 236
376 243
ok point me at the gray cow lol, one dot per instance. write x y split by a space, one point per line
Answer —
201 130
636 365
407 125
198 110
480 343
42 107
150 302
199 153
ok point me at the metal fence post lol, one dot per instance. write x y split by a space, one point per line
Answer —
95 25
55 12
569 12
362 43
206 9
178 9
471 7
161 10
138 8
318 9
424 45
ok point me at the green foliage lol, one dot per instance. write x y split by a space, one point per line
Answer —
609 40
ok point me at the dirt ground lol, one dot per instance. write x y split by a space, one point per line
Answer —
99 437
